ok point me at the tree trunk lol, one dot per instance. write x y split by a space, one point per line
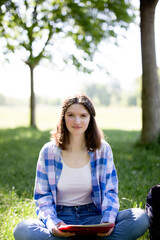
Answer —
32 100
150 85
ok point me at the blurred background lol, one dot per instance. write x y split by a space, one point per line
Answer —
115 85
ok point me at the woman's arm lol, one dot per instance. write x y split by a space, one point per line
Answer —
43 196
110 201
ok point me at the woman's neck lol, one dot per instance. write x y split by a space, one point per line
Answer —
77 144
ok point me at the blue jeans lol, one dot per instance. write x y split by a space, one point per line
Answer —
130 224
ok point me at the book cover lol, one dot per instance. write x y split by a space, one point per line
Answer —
87 229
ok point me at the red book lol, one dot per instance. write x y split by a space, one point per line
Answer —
87 229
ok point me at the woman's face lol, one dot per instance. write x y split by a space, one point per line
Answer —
77 119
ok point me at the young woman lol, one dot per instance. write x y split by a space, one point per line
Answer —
76 182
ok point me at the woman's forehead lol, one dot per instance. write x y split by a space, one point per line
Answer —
77 107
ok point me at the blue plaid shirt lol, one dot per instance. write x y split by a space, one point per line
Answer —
104 183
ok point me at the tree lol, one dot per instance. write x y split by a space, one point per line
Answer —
5 5
150 85
31 26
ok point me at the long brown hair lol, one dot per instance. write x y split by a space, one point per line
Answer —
93 134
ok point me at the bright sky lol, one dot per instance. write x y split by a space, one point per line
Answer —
124 63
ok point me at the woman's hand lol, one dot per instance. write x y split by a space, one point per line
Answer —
105 234
57 233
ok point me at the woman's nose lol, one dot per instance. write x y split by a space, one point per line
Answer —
77 119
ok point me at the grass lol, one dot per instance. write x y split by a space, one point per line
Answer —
138 169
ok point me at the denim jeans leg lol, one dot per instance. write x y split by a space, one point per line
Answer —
34 229
130 225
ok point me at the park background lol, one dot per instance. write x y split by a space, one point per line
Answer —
119 115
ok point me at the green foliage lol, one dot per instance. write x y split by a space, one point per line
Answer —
137 167
5 6
30 27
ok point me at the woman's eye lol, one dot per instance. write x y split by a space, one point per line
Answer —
83 116
70 115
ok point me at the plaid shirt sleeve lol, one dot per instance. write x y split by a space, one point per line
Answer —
105 183
110 201
43 194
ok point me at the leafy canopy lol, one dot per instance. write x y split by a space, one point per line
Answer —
30 26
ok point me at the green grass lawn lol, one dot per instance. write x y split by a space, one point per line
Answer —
138 169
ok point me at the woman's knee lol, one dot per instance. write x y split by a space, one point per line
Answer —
33 229
141 216
20 230
140 221
131 224
30 229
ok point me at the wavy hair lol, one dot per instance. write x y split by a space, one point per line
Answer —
93 134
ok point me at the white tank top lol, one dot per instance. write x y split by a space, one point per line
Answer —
75 186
